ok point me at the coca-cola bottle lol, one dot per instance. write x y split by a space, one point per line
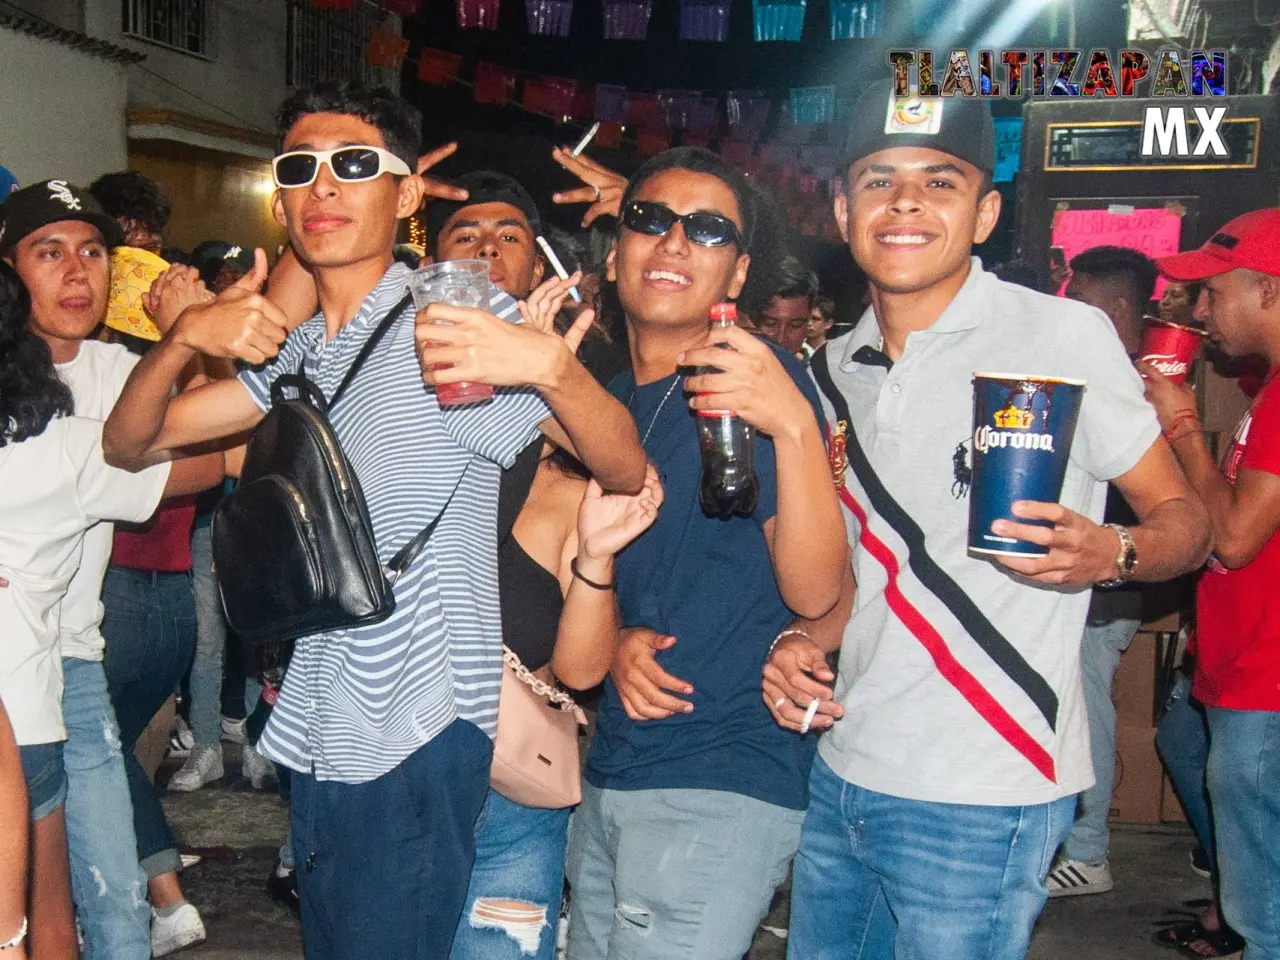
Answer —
729 483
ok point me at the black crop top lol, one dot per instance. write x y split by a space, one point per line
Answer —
529 593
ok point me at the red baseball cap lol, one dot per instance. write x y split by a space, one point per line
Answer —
1250 242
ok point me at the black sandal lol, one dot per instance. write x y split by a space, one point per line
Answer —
1181 935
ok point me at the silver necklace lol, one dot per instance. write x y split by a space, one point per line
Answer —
665 397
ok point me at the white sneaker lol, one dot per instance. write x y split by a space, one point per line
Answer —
204 765
257 769
232 730
181 740
1075 878
181 929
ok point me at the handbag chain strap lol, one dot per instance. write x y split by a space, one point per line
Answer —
543 689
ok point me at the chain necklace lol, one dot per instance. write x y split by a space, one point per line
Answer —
657 413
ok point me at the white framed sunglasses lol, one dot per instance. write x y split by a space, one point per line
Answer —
354 164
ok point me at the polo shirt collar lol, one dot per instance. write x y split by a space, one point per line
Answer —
964 312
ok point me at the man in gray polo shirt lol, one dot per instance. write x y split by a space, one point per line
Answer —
957 735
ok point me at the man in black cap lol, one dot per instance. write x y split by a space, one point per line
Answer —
499 222
956 735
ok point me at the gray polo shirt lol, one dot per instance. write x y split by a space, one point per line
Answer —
961 683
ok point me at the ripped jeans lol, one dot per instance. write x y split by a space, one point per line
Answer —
513 903
107 884
674 874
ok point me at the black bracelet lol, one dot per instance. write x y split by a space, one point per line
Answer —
573 565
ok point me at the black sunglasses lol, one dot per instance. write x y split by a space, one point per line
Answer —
704 229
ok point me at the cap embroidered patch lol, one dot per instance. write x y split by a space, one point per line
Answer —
1224 240
58 190
917 115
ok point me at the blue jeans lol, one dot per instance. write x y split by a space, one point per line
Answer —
46 776
150 629
1100 653
519 860
108 885
211 643
1244 784
882 878
383 866
1183 743
674 874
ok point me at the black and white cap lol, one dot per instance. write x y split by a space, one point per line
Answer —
958 125
27 210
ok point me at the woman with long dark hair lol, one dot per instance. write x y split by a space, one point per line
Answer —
56 485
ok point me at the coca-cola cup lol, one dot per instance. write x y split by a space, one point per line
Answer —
1023 426
1170 348
459 283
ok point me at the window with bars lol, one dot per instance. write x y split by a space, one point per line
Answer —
176 24
329 44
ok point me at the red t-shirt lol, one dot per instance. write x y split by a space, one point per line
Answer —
1238 611
163 544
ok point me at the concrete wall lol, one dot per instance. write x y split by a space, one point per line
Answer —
61 111
67 14
240 84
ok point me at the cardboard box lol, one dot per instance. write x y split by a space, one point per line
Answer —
1139 789
1170 805
1134 687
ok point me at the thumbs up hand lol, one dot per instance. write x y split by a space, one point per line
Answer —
239 324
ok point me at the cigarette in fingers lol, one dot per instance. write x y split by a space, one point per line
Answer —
558 267
809 715
582 144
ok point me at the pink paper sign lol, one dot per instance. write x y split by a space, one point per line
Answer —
1153 231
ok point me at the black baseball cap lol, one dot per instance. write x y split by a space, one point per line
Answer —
51 201
482 186
958 125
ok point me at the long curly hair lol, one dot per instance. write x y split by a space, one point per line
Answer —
31 392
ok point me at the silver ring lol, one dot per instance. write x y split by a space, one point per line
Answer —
597 199
780 702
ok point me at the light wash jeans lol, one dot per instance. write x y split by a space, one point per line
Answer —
1099 657
519 858
674 874
1183 743
211 645
108 885
882 878
1244 787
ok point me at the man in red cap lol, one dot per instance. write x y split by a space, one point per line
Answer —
1237 605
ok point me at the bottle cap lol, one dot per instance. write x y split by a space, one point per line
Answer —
722 312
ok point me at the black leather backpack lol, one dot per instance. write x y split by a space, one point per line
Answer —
293 546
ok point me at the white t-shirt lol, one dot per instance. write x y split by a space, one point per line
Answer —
56 486
960 683
96 377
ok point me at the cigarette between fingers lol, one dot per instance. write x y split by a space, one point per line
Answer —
558 267
809 715
582 144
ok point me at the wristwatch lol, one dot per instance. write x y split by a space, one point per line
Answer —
1127 561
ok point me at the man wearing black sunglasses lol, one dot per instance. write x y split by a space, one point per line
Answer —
387 728
693 798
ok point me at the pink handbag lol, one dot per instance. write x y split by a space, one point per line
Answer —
535 755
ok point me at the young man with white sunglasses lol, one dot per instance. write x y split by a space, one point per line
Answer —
387 728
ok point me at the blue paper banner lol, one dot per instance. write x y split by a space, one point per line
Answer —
856 19
778 21
1008 148
813 104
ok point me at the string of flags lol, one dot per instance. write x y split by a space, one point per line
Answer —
705 20
786 141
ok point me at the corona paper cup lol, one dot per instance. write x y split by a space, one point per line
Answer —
1170 348
1023 426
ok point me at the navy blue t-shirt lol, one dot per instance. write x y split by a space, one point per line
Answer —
709 583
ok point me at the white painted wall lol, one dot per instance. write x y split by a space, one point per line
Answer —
241 84
61 111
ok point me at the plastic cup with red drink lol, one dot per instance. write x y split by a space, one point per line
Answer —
459 283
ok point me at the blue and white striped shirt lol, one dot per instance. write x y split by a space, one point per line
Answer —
356 703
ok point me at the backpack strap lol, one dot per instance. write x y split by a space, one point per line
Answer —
405 556
374 339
